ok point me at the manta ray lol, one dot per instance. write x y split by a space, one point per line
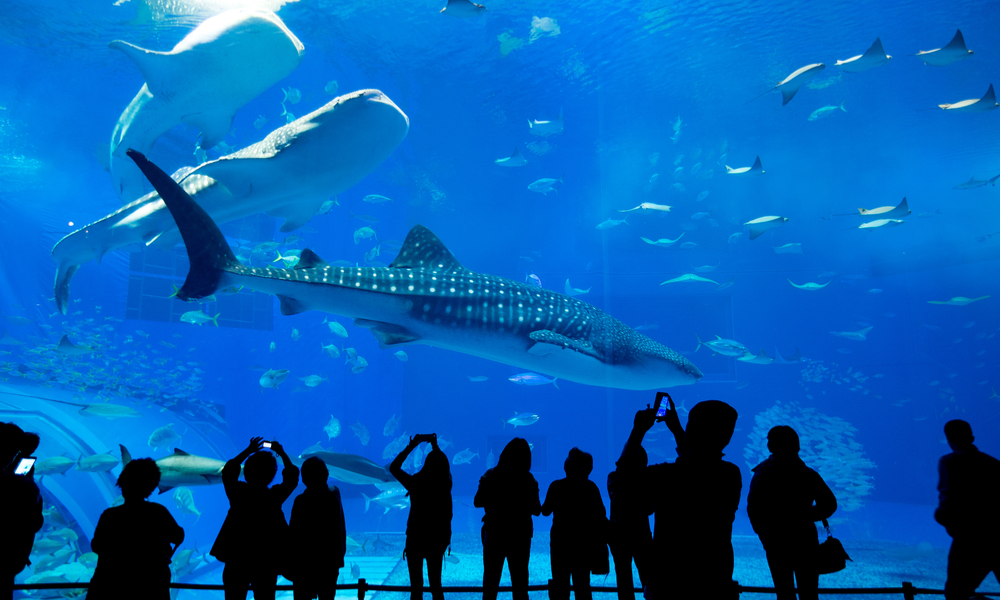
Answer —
760 225
289 174
426 296
755 169
953 52
987 102
886 212
790 85
514 160
227 61
873 57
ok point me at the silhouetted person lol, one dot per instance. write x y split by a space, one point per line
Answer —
509 493
318 534
578 535
254 537
968 486
20 505
785 501
428 528
133 541
695 500
630 536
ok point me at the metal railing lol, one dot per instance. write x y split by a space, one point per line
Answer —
907 589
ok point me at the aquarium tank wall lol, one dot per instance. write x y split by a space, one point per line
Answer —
513 220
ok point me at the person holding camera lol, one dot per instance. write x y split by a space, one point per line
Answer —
133 541
428 528
20 503
253 538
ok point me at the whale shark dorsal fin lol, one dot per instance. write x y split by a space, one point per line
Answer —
310 260
423 249
957 42
989 97
156 67
876 50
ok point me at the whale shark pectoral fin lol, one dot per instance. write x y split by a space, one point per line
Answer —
388 334
295 216
156 67
291 306
548 342
213 126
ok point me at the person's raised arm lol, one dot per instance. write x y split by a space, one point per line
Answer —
643 422
231 472
396 467
289 474
673 422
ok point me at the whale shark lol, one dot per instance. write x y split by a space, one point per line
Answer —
953 52
225 62
426 296
290 173
873 57
987 102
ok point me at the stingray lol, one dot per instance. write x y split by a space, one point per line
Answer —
790 85
463 9
664 242
886 212
809 286
547 128
881 224
68 347
514 160
987 102
873 57
646 206
761 358
756 169
224 63
953 52
289 174
958 301
688 277
572 291
761 224
973 183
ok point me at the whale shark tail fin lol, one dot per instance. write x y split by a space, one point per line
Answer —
156 67
208 251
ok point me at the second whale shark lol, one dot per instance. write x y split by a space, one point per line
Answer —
426 296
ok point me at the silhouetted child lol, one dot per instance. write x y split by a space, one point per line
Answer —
968 486
630 536
132 541
785 501
428 528
578 536
509 493
20 505
318 534
254 537
695 500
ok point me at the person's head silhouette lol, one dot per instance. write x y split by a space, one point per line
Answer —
516 457
783 441
260 469
139 478
11 444
709 428
436 466
578 464
959 434
314 472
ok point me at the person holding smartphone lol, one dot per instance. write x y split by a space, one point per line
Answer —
428 528
20 504
253 538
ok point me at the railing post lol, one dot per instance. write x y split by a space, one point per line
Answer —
908 591
362 588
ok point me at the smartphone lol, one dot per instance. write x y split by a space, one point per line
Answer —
663 400
24 465
266 444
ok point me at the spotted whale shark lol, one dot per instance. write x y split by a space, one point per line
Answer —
289 174
426 296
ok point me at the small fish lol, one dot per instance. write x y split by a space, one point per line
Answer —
401 356
477 378
545 185
377 199
532 379
701 215
296 335
735 237
679 187
825 111
532 279
464 457
184 500
364 233
689 245
390 426
312 380
163 437
197 317
792 248
272 378
331 87
653 178
332 429
491 460
336 328
327 206
273 347
260 122
291 95
361 432
608 224
875 291
332 350
522 420
703 195
366 218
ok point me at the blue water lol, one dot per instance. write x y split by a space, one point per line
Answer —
622 73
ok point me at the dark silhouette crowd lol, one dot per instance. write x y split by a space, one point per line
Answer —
688 554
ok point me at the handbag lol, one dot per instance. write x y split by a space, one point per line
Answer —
830 555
